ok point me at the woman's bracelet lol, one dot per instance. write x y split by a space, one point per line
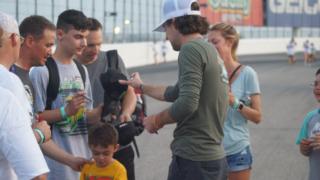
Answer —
236 104
41 135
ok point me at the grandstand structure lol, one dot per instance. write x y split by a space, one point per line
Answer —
126 21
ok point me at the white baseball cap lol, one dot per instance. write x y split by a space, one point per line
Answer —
8 24
175 8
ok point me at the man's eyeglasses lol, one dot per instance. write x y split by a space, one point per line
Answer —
20 37
10 35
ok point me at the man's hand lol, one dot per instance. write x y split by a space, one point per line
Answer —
75 103
125 117
152 124
315 142
76 163
305 147
44 128
134 81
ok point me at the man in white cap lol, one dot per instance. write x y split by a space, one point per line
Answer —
19 149
200 97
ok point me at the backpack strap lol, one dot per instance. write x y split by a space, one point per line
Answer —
54 80
82 71
112 58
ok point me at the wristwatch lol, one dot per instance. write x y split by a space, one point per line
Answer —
240 106
141 87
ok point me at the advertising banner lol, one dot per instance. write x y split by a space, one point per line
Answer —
236 12
293 13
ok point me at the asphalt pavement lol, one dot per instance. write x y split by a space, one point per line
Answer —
286 98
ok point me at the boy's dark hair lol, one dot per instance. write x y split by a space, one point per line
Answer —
35 26
103 135
190 24
73 19
318 72
95 24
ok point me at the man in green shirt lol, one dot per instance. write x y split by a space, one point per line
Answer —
199 97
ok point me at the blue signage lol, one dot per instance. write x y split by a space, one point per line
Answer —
293 13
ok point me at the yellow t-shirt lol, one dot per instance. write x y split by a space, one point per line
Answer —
115 171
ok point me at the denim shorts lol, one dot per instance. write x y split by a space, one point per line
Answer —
240 161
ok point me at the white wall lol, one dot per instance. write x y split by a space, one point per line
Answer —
142 53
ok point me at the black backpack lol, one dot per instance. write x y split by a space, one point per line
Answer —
113 95
54 80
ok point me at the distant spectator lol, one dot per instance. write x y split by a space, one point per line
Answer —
306 46
164 50
291 51
312 53
155 52
309 135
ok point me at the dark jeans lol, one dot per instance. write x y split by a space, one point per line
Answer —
184 169
126 157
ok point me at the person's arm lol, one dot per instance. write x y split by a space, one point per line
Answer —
250 108
41 131
53 151
155 122
156 92
72 107
305 147
252 112
128 104
315 142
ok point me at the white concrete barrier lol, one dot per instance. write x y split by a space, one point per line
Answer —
144 53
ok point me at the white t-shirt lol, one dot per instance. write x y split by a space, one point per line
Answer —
291 48
12 82
19 150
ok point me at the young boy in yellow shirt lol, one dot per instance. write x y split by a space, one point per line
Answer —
103 143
